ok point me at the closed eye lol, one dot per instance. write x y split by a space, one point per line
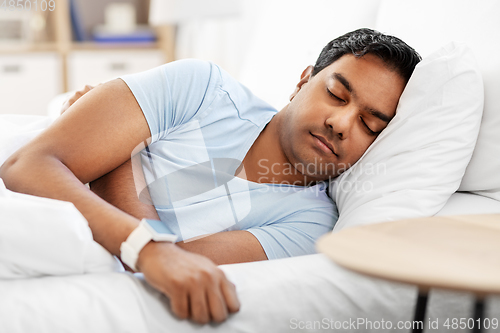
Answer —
334 96
368 128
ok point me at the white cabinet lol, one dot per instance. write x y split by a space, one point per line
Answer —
95 66
29 81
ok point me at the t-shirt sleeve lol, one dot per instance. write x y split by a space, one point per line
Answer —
172 94
296 234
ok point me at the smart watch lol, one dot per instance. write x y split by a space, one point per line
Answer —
148 230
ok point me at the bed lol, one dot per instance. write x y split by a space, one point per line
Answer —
84 289
276 296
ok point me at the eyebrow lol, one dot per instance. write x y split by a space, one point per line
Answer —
380 115
339 77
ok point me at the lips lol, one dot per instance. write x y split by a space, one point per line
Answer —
324 144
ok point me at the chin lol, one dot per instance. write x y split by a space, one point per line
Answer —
317 168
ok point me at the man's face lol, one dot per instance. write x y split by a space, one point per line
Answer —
343 107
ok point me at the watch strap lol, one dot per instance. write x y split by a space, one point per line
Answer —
130 249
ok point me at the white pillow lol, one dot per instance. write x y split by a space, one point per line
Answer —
17 130
40 236
434 23
418 161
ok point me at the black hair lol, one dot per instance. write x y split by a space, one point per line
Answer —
395 53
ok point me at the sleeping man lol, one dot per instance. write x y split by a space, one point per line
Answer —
187 144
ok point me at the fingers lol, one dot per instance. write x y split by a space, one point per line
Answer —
217 304
198 304
222 297
76 97
230 296
197 288
206 299
180 305
65 106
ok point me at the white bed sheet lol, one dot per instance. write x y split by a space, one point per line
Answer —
80 303
462 203
276 296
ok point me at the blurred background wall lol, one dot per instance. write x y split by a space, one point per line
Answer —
70 43
269 43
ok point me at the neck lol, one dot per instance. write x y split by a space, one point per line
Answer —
266 161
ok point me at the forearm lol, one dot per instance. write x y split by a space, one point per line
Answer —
52 179
118 188
227 247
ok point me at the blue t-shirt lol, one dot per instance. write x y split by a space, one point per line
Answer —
202 123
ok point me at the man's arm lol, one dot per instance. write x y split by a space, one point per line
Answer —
118 188
227 247
95 136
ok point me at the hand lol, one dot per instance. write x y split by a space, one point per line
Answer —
75 97
197 288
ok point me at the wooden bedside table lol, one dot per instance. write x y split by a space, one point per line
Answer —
460 253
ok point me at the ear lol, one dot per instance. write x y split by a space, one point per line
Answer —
306 75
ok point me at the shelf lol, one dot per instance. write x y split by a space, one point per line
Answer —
8 48
60 33
113 46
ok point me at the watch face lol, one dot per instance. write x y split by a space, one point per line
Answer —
159 227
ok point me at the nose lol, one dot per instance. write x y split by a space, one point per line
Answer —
341 121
